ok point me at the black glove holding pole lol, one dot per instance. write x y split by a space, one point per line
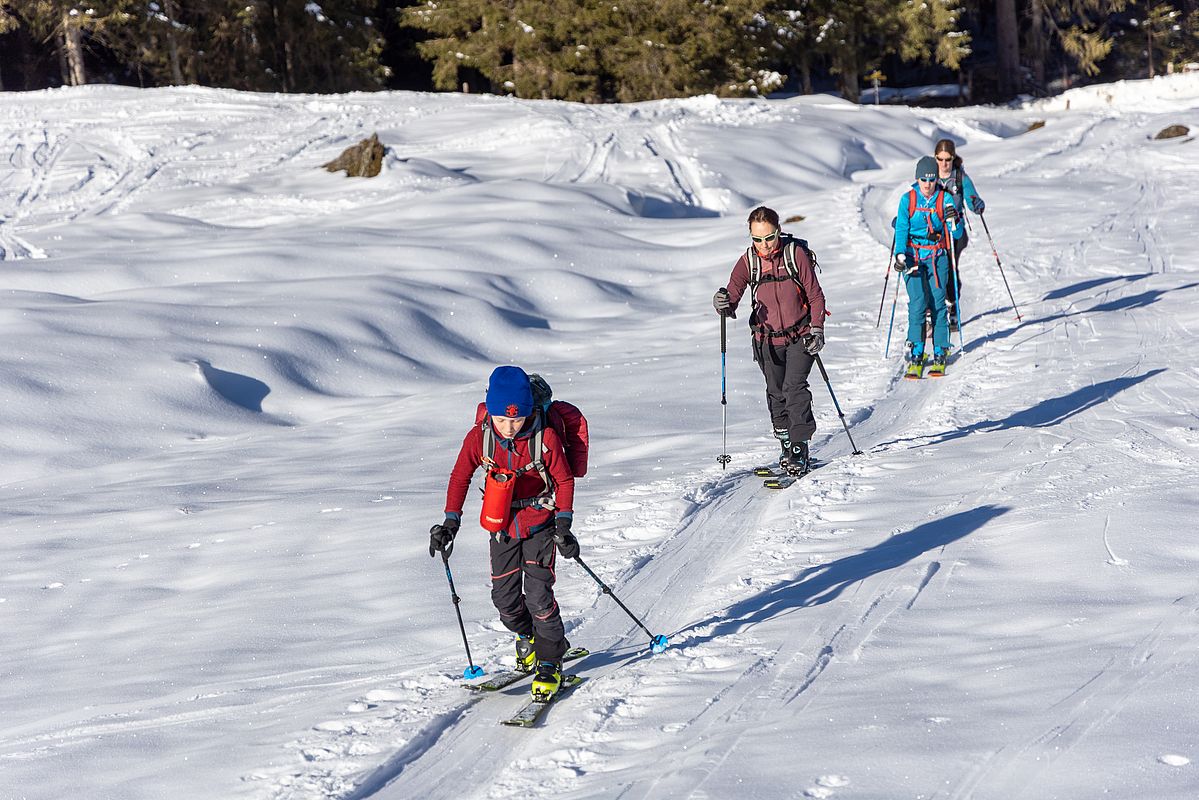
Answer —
568 545
441 537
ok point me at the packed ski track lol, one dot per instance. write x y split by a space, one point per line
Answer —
996 599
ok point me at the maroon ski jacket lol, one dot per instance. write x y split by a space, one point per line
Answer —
513 454
779 306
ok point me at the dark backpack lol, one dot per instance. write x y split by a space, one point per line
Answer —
790 243
755 275
565 418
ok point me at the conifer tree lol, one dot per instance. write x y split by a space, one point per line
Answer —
1078 27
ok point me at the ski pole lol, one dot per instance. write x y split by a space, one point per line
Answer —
724 458
472 671
840 414
995 253
957 300
657 643
891 324
883 299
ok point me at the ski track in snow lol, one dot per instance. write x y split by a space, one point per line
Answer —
776 604
593 738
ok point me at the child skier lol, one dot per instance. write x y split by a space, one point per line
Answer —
527 526
926 216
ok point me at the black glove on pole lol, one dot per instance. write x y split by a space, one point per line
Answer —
997 261
441 537
657 643
837 405
568 545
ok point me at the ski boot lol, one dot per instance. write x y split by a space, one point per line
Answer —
547 681
915 359
937 368
785 442
797 462
526 656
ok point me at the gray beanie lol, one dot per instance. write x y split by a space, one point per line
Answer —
926 168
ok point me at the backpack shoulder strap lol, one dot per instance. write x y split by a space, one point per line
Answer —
488 441
789 259
755 267
911 203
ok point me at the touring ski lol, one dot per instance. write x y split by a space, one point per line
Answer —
501 680
778 478
527 716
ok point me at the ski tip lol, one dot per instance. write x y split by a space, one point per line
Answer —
658 644
473 672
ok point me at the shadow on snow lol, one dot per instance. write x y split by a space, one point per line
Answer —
1066 291
1044 414
1142 300
818 585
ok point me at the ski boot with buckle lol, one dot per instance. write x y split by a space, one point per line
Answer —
526 656
547 681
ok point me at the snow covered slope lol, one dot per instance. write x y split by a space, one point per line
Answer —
234 384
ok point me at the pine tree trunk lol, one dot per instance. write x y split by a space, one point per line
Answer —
1009 47
172 43
1149 45
1036 41
848 79
72 38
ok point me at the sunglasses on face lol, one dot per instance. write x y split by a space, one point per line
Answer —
767 239
945 160
927 180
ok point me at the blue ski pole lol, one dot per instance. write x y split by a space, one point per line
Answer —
656 643
883 299
891 324
472 671
957 295
724 458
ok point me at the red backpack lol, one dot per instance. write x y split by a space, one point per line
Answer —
565 418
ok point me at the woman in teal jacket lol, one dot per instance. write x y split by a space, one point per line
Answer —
926 219
953 179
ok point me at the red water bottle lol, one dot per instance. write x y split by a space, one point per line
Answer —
497 500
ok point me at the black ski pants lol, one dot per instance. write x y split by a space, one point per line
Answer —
786 368
522 589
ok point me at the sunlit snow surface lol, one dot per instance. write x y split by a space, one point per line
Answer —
233 384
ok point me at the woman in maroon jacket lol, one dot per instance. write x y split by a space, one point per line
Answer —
788 328
522 554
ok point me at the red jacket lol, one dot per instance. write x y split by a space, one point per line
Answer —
779 305
513 454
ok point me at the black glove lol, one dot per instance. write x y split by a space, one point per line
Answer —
568 545
720 302
951 214
815 342
901 263
441 537
977 205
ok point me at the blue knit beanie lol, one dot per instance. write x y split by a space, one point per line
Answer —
926 168
509 393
